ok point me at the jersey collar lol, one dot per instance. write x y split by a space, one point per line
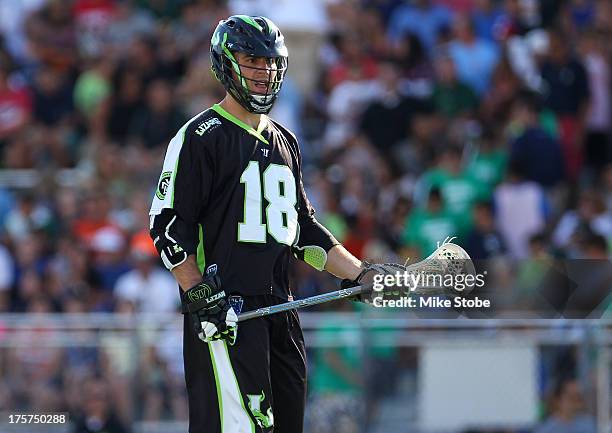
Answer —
256 133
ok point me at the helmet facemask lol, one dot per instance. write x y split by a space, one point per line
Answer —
256 95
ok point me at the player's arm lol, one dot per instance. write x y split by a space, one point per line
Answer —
343 264
188 274
182 193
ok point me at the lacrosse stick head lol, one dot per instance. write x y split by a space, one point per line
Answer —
445 271
456 260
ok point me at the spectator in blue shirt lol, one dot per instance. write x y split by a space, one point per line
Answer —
475 58
533 145
421 18
488 19
567 412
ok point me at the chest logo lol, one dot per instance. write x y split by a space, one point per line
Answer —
265 152
206 125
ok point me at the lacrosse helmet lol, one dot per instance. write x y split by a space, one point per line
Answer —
256 36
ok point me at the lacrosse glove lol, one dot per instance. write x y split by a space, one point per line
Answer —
212 316
368 270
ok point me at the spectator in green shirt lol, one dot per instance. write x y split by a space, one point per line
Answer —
427 226
450 96
458 188
488 164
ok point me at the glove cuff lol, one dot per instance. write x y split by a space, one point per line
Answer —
365 268
200 296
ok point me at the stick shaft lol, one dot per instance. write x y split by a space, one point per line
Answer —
307 302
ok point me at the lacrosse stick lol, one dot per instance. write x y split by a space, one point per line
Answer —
447 259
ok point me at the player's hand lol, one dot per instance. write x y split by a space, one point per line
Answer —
366 276
212 315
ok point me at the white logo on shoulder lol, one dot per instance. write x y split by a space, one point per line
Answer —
206 125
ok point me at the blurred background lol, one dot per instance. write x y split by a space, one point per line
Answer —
418 119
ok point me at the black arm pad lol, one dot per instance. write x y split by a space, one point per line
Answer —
174 239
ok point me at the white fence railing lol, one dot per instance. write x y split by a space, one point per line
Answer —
131 331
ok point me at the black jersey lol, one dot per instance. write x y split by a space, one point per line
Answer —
234 196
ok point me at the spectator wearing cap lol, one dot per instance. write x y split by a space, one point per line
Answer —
146 288
108 260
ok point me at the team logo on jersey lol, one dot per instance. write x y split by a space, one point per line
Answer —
264 421
164 183
206 125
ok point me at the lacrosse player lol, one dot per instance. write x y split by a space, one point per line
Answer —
229 209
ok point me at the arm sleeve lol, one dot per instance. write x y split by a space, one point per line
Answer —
182 192
313 241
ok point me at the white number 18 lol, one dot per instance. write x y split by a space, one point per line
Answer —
279 191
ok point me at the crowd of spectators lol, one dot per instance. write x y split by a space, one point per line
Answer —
418 119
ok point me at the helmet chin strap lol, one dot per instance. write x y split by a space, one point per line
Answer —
263 100
259 104
255 104
249 100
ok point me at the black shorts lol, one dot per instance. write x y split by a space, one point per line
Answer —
256 385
